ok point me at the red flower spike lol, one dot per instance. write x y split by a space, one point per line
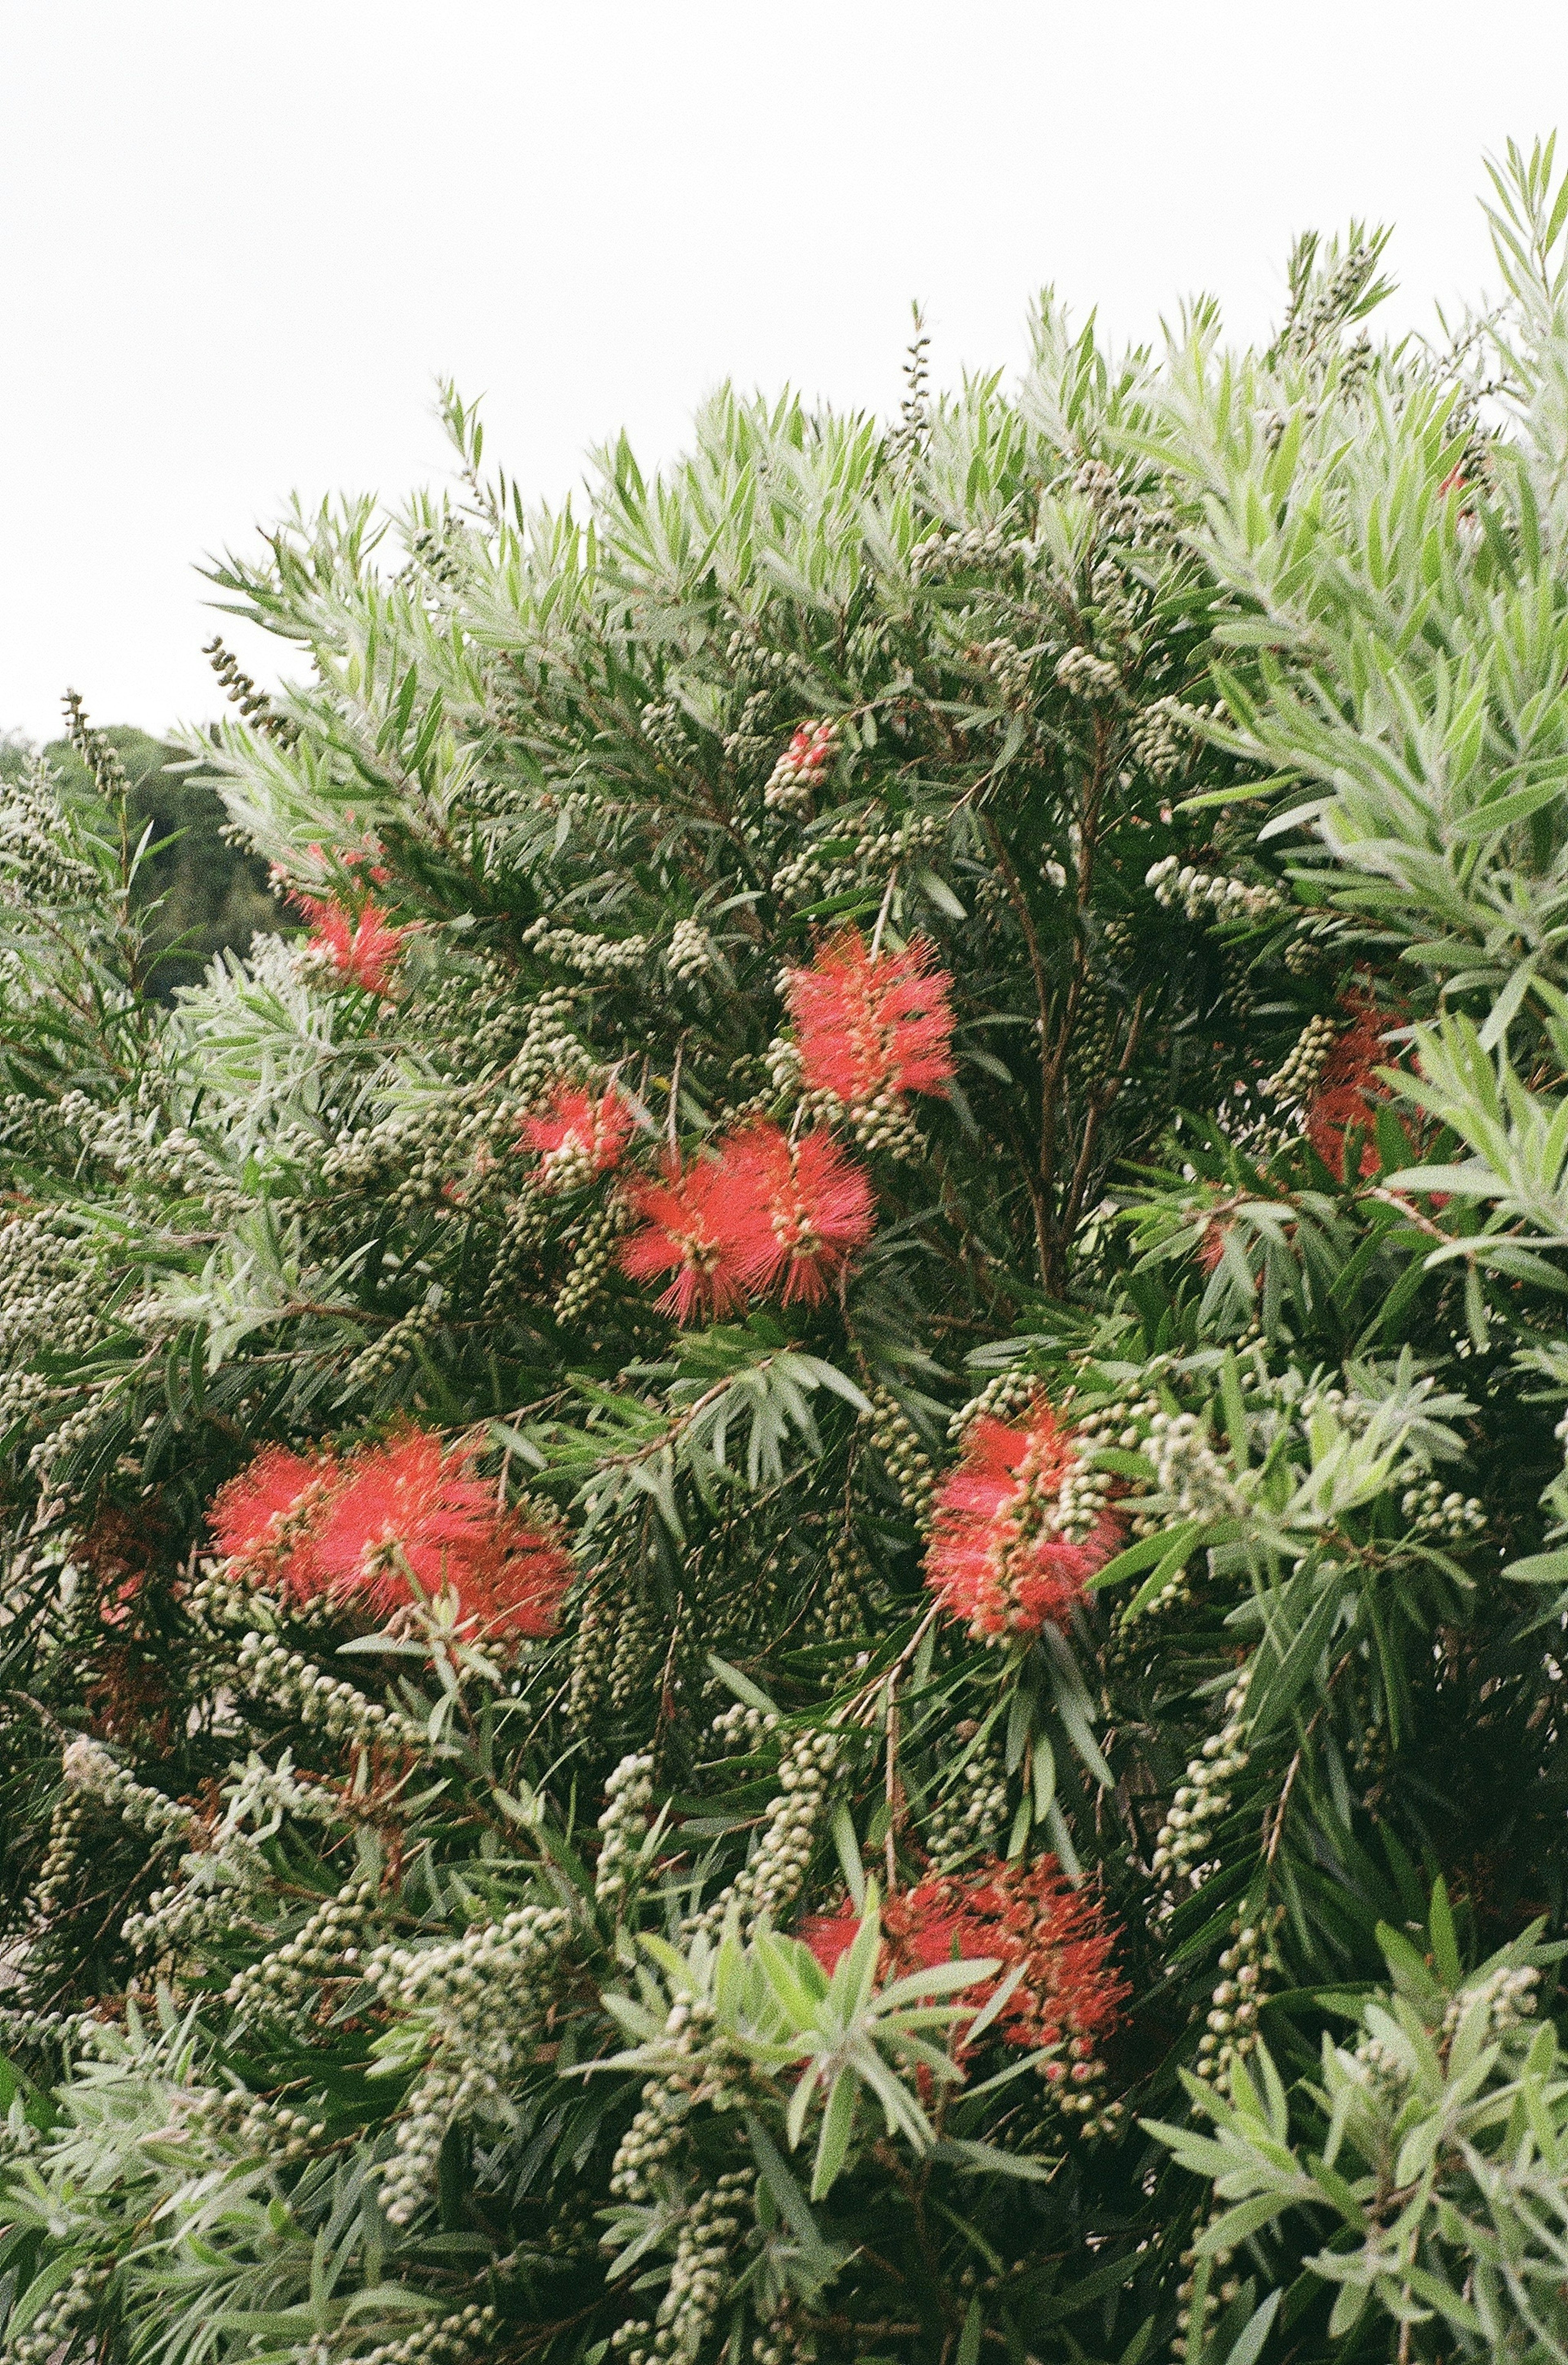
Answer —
364 952
999 1558
263 1515
686 1233
792 1213
1348 1093
1068 1998
870 1023
576 1125
414 1509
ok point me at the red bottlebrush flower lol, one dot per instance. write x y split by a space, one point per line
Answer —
1068 1998
999 1556
364 951
413 1508
793 1211
579 1131
868 1023
265 1515
1349 1093
686 1233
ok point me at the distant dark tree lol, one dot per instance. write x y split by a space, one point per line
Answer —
200 893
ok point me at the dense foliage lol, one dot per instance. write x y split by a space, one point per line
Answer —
783 1574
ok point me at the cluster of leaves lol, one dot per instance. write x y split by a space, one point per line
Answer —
815 1947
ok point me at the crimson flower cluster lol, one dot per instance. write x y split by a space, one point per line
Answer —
761 1215
579 1134
1068 1998
872 1023
1003 1556
404 1519
363 949
1348 1093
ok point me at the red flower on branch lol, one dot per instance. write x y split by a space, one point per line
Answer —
579 1131
264 1517
794 1212
364 950
1068 1998
1004 1555
1349 1093
686 1232
412 1513
870 1023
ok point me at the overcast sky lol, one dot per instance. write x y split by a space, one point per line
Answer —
241 243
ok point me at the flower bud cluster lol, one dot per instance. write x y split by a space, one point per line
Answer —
1208 894
255 704
843 1596
690 952
1451 1517
549 1049
178 1918
624 1825
286 1979
1508 1994
749 740
1158 740
1011 667
815 874
1195 2341
799 772
957 552
257 2128
1188 1471
35 867
1009 1393
67 2032
1084 675
268 1671
660 725
591 956
593 1258
64 2315
742 1726
67 1830
443 2341
972 1815
1230 2030
172 1161
699 2276
87 1766
1296 1077
768 1884
1182 1840
397 1347
652 2140
482 1998
905 1459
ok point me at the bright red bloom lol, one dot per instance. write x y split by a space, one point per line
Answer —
686 1233
364 952
1068 1998
999 1558
794 1212
264 1516
1349 1093
579 1125
414 1509
868 1023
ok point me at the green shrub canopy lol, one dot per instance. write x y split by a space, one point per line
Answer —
784 1571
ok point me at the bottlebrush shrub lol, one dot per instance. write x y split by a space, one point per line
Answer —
785 1569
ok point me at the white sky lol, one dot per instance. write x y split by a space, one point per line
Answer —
238 243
